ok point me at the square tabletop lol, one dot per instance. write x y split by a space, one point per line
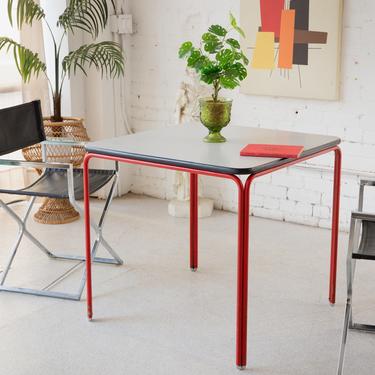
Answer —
183 146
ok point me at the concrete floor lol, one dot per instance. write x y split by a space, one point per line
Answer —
154 316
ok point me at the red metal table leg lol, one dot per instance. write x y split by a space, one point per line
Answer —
335 225
242 275
193 221
87 234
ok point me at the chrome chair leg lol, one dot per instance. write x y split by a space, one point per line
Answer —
98 228
100 239
344 337
84 277
21 224
81 259
349 280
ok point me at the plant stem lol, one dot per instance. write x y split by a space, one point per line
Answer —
56 108
217 88
57 92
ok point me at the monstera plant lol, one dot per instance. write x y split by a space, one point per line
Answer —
220 62
90 17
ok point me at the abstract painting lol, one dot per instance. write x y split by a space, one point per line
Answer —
293 47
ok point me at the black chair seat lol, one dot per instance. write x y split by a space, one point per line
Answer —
366 248
53 183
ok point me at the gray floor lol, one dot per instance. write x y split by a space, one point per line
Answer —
154 316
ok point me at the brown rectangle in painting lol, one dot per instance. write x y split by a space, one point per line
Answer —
301 51
306 37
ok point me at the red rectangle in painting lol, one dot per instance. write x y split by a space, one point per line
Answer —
270 12
272 151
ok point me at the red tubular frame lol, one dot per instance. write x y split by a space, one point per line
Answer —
193 221
243 231
335 225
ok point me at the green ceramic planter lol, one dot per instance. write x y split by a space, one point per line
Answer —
215 116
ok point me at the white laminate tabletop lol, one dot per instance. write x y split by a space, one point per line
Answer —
183 146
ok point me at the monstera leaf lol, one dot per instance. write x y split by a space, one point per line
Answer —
218 30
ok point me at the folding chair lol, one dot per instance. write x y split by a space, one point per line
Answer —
22 126
361 247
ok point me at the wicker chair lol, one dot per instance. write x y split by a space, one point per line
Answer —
361 247
22 126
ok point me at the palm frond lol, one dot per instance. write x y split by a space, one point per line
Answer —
90 16
27 12
106 57
28 63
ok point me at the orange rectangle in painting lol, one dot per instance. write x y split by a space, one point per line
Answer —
286 39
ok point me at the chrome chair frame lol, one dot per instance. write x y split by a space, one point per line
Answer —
22 221
357 218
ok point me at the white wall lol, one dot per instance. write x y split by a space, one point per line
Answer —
297 195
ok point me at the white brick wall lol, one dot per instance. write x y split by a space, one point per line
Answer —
298 195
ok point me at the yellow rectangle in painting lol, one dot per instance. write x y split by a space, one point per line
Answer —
264 53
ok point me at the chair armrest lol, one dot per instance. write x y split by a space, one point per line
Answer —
63 142
367 182
35 164
363 216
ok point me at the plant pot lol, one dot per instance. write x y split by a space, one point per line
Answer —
215 115
59 211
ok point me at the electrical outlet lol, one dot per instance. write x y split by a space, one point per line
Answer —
121 24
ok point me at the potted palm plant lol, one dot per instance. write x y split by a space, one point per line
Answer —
220 62
89 16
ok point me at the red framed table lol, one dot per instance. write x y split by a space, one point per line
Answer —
182 149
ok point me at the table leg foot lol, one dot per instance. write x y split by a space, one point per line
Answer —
192 269
241 368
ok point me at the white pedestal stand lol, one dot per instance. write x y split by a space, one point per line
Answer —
187 111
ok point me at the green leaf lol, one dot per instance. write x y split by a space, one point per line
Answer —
90 16
185 49
242 72
209 37
217 30
237 55
27 12
233 43
235 26
225 57
229 82
201 63
194 57
213 47
106 57
232 20
28 63
236 70
210 73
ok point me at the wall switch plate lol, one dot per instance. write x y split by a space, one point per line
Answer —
121 24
